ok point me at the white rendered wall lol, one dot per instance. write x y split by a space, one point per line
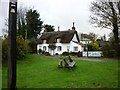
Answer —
42 45
75 38
63 45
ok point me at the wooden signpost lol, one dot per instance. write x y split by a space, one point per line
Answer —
12 45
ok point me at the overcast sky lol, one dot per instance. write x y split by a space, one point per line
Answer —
58 13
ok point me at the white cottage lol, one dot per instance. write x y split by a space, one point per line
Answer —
60 41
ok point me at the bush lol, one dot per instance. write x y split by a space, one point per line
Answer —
43 52
56 54
93 46
72 53
33 47
47 53
22 48
40 51
108 51
69 53
65 53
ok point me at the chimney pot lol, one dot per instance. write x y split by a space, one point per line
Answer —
58 28
73 28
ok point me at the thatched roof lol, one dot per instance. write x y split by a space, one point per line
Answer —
64 36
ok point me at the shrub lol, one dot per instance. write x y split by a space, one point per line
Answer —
56 54
69 53
65 53
47 53
40 51
108 50
22 48
33 47
72 53
93 46
43 52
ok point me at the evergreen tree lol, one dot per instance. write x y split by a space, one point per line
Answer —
49 28
34 24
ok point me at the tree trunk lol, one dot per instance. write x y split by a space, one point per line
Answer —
115 30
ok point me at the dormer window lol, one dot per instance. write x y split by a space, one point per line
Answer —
44 41
58 40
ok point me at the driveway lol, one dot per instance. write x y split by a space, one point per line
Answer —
81 58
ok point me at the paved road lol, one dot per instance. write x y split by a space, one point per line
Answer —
80 58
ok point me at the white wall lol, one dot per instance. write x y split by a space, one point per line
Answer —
40 46
64 47
75 38
93 53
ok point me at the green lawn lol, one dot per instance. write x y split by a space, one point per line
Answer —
42 72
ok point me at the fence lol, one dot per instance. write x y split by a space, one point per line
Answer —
92 53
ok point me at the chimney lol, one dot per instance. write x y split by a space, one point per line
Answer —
45 30
73 28
58 28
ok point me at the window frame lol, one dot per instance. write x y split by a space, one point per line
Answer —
59 48
75 48
44 48
68 48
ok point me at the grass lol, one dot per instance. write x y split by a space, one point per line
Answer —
42 72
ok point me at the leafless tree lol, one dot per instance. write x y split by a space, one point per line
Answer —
107 15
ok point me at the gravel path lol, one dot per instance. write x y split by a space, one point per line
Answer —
80 58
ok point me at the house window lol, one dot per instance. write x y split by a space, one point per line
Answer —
75 48
68 48
58 40
59 48
44 48
44 41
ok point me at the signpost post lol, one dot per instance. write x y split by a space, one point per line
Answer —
12 45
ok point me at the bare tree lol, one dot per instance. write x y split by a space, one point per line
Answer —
21 15
92 36
5 29
21 21
107 15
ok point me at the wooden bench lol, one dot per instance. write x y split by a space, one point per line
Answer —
71 64
68 62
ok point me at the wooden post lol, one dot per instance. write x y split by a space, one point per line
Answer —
12 45
87 49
